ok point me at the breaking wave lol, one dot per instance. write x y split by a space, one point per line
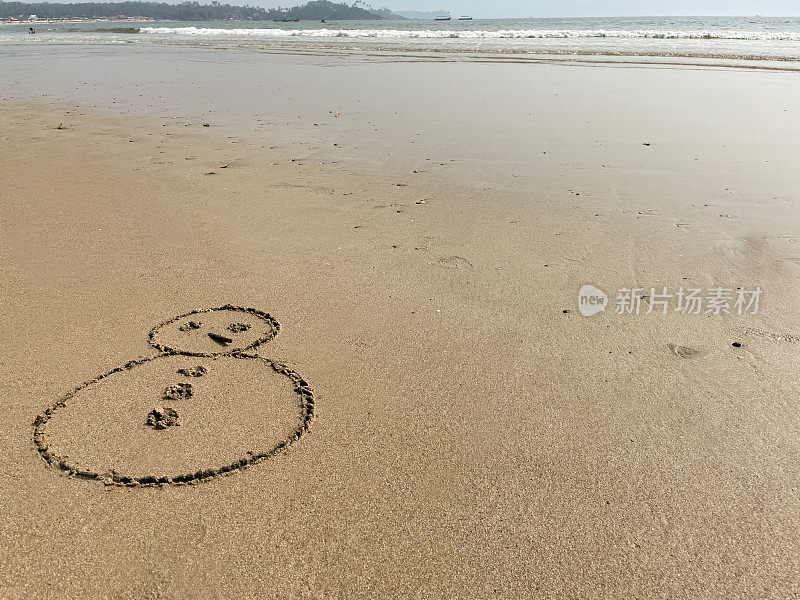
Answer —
476 34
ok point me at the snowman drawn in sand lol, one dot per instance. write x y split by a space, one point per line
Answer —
205 405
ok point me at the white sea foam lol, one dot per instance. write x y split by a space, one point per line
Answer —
476 34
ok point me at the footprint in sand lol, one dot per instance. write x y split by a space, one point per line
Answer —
204 406
684 351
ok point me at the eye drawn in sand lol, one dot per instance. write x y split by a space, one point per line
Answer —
205 405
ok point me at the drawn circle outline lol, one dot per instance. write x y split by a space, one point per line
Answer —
269 319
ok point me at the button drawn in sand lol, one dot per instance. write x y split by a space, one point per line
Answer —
179 391
197 371
161 418
135 425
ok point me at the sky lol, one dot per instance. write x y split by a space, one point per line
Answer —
599 8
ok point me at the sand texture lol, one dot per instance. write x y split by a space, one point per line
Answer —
421 410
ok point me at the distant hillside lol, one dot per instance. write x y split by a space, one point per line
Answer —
416 14
185 11
386 13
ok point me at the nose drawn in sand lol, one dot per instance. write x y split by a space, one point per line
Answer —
204 406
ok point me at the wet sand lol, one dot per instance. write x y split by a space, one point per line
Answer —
473 434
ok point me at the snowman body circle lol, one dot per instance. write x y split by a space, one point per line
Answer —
185 415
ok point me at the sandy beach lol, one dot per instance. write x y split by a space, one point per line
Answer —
473 435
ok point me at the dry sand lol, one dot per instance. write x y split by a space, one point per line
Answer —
473 437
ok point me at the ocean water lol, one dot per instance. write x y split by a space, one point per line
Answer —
748 38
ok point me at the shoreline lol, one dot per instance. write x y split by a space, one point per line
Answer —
720 41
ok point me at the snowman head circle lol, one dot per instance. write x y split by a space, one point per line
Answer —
214 331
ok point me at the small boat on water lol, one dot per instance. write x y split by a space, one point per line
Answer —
285 20
447 18
465 18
